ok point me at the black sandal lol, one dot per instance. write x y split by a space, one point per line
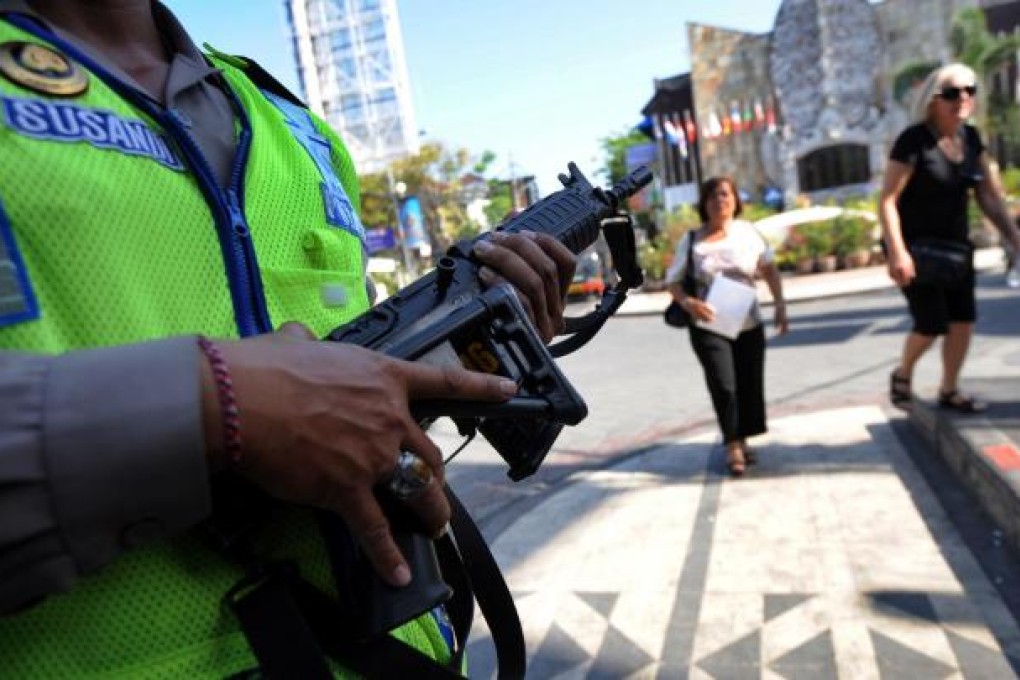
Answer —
958 402
736 466
900 393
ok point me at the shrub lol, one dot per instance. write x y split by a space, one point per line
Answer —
1011 181
818 238
656 255
851 234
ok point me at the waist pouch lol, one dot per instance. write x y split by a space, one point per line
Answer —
941 263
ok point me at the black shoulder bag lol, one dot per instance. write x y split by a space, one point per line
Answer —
675 315
940 263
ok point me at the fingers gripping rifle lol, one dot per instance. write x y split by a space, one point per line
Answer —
447 318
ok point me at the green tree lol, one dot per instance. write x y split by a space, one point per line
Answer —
909 76
500 201
435 175
972 43
975 46
615 150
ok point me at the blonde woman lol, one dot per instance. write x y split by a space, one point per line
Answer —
933 167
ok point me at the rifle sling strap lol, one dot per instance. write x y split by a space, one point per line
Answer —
490 591
619 235
292 626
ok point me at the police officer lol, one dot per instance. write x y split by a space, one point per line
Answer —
150 193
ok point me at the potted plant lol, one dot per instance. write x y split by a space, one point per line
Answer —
819 240
797 247
852 240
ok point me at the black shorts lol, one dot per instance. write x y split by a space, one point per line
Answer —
933 308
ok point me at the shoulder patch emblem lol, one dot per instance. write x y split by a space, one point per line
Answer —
42 69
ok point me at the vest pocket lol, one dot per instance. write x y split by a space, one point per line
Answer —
320 299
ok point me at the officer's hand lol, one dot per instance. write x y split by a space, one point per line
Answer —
323 423
538 266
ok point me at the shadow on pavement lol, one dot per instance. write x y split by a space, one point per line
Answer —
704 464
817 335
999 562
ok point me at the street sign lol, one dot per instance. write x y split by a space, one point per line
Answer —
380 238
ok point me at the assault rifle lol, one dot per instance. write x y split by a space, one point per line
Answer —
446 317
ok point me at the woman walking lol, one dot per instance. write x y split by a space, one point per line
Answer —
734 369
933 166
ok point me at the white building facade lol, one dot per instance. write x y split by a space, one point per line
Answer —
350 56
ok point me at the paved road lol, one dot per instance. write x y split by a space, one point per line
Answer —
643 384
848 552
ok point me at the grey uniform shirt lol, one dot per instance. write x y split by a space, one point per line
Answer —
101 450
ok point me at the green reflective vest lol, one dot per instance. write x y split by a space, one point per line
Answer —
113 231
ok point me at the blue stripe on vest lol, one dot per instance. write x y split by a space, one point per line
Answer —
339 211
17 299
442 620
68 123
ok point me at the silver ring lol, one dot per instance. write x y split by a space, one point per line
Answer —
410 478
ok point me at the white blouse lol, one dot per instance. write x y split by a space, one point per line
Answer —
738 256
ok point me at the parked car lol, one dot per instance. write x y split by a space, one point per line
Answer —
589 278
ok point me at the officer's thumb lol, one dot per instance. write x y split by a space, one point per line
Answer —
296 330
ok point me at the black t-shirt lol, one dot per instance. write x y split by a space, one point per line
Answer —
934 202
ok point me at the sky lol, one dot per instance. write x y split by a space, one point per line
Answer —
537 82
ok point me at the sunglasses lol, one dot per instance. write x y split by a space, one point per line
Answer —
952 93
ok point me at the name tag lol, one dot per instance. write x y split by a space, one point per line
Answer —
69 123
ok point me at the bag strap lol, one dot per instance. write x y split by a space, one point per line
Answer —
688 283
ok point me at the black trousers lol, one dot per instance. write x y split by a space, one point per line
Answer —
735 374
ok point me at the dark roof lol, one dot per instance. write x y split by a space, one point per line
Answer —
672 95
1002 17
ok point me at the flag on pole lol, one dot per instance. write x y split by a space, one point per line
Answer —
672 135
770 116
748 116
681 136
759 112
738 126
715 128
690 127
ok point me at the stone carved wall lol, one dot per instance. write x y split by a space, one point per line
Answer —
838 45
829 65
728 66
796 65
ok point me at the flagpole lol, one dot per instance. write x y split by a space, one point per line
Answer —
695 146
660 138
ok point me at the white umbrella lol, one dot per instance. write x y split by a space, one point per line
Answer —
775 227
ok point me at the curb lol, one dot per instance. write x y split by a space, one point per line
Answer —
812 287
984 459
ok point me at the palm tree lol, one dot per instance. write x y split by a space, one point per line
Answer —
975 46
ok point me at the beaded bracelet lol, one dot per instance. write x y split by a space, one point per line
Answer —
225 392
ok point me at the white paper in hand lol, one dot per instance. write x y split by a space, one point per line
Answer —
732 301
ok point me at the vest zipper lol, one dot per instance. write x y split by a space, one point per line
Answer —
235 236
247 295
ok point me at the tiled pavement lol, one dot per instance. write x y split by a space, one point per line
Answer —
831 558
